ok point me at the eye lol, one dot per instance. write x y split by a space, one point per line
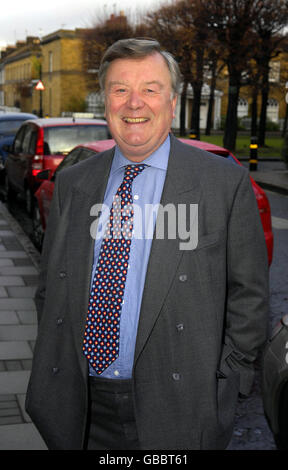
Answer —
120 91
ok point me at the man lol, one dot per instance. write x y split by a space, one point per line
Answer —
155 357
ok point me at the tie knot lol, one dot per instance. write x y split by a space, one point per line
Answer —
131 171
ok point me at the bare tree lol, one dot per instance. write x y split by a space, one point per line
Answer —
183 28
231 20
268 25
215 67
98 38
163 25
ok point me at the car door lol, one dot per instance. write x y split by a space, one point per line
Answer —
24 162
45 192
13 163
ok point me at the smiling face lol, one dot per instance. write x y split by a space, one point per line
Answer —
139 104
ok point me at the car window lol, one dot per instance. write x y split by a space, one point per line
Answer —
223 154
27 139
62 139
86 153
75 156
9 127
33 141
71 158
231 159
18 141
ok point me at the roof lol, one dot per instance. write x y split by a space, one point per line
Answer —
100 145
45 122
16 116
206 146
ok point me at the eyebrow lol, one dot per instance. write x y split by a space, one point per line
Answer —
119 82
116 82
155 82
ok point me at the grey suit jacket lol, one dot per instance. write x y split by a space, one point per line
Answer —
203 317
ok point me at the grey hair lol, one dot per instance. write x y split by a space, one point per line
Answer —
136 48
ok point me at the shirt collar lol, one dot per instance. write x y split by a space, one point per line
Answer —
158 159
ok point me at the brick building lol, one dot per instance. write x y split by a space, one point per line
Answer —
19 67
62 72
57 61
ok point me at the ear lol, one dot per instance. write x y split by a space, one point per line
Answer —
174 102
105 107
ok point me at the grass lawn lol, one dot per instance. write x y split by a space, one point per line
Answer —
273 145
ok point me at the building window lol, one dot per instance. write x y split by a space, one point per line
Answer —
2 77
242 109
272 109
95 104
50 61
274 73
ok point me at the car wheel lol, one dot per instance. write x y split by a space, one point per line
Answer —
38 232
29 201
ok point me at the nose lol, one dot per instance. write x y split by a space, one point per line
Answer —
134 100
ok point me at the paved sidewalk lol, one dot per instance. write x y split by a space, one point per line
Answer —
18 329
273 180
271 175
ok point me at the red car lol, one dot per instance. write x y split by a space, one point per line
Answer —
42 144
81 152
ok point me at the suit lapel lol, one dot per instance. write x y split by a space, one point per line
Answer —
80 244
181 187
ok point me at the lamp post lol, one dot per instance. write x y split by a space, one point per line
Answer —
40 87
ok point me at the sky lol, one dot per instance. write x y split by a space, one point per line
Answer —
22 18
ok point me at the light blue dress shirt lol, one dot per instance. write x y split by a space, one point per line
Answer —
146 191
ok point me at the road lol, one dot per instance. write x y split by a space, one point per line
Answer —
251 431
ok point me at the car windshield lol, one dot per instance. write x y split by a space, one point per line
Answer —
10 127
60 140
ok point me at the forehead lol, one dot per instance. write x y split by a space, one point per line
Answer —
149 68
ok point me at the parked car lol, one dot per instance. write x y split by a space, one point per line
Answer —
275 383
262 200
9 125
44 194
42 144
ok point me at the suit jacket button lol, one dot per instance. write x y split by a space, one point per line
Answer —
55 370
59 321
62 274
176 376
180 327
183 277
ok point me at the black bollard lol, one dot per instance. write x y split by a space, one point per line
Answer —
193 134
253 162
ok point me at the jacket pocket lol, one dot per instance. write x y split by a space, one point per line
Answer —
210 239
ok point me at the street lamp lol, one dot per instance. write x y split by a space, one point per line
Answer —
40 87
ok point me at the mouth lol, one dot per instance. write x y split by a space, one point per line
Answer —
138 120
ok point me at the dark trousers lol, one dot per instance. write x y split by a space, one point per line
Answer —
111 421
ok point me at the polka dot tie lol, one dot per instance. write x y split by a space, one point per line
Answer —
102 332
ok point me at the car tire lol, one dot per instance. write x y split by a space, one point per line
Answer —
38 231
